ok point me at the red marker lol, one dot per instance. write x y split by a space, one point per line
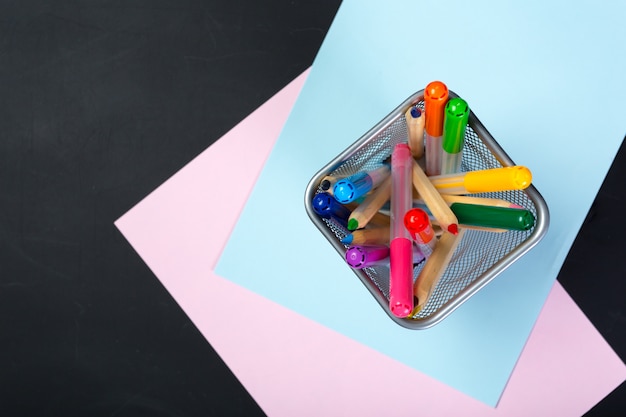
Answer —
421 230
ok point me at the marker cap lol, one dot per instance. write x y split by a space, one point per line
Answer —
455 120
418 224
493 216
359 257
435 98
498 179
326 206
349 189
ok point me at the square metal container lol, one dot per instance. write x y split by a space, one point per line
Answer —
480 256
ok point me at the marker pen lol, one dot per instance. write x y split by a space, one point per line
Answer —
415 128
483 181
493 217
419 226
400 251
350 188
327 207
359 257
435 98
455 121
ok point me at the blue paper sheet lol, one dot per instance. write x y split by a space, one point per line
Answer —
545 78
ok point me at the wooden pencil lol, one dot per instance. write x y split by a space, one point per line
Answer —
364 212
371 236
482 201
415 128
328 182
434 267
434 201
469 227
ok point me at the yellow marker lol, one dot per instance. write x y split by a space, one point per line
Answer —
484 181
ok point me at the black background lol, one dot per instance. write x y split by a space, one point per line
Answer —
101 101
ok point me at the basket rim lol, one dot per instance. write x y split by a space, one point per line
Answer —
539 231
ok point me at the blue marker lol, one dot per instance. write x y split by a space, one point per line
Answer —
359 184
327 207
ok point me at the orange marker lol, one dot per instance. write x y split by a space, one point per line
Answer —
435 99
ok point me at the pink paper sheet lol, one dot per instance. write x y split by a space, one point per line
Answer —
294 366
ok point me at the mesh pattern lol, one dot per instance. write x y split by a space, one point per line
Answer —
477 252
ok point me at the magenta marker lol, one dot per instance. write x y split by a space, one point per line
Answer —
359 257
401 243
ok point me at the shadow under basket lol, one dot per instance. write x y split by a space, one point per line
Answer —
479 257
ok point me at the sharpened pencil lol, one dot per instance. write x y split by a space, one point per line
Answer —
433 200
365 237
415 128
434 267
328 182
483 201
360 216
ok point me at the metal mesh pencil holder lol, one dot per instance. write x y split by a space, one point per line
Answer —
479 257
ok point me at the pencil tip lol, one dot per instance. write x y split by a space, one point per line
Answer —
454 229
416 308
325 185
353 224
415 112
347 240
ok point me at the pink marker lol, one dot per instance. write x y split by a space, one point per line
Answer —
401 243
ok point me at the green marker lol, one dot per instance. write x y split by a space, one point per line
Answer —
493 217
456 116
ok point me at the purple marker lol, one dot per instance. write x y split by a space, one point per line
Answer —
359 257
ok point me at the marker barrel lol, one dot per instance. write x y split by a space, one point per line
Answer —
434 154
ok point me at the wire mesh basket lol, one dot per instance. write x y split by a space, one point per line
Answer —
479 257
